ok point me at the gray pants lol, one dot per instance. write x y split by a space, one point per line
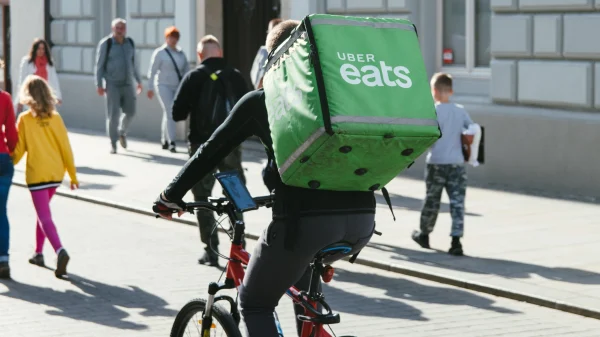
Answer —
166 94
119 96
273 269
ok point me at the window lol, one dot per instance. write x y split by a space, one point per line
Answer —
464 36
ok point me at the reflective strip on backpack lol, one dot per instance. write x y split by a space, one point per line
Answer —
342 22
301 149
384 120
353 119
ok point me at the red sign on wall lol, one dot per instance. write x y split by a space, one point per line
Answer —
448 56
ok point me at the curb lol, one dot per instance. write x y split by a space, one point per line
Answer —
430 276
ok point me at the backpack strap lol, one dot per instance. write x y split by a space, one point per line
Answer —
108 46
386 196
174 63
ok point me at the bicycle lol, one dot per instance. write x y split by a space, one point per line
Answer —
313 318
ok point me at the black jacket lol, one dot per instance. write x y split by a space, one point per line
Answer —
187 100
249 118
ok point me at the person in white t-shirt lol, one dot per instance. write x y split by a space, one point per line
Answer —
445 166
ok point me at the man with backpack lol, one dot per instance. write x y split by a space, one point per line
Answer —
116 68
207 94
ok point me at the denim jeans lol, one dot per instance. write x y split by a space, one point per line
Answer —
6 173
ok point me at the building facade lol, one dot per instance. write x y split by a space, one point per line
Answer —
527 70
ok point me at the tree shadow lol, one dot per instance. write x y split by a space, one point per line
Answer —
404 289
96 303
98 171
413 204
498 267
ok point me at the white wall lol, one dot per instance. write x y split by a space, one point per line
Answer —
24 31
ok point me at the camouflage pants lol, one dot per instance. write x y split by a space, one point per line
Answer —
454 179
203 189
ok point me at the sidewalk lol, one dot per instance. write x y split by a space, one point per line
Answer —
130 274
539 246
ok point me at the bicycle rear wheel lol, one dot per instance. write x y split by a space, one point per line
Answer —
188 322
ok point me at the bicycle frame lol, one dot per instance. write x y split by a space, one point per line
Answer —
313 319
235 272
238 257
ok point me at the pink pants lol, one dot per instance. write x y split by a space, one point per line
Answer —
45 226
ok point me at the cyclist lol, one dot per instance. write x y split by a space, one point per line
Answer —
304 220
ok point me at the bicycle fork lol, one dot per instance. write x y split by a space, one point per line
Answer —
213 288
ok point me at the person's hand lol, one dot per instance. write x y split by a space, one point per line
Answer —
74 186
101 91
139 88
165 208
59 102
150 94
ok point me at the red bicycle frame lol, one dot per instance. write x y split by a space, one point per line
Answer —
235 271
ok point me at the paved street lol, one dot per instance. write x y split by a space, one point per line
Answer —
537 245
131 273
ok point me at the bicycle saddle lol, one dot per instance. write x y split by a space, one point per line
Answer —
334 249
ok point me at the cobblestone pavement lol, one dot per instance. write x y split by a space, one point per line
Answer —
131 273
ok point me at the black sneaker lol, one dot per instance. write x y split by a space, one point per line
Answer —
456 247
172 148
4 270
37 259
123 141
165 146
422 240
61 264
209 260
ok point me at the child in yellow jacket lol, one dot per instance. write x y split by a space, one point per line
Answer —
43 136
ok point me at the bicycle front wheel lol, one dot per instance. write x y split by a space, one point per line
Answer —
188 322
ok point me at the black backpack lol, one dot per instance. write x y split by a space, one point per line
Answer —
216 99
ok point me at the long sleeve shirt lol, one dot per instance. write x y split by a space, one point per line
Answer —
8 134
121 63
162 71
49 154
248 118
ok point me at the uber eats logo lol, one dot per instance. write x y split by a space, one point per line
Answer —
373 73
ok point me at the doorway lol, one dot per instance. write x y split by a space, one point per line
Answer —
245 25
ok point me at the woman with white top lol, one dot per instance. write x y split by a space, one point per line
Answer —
38 62
168 65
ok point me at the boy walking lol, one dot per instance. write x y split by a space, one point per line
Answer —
445 166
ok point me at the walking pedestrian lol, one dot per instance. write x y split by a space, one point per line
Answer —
167 67
207 94
116 71
8 141
38 62
43 136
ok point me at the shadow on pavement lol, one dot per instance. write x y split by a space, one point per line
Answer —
153 158
414 204
479 265
406 290
98 171
97 303
343 301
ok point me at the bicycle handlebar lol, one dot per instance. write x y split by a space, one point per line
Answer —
220 205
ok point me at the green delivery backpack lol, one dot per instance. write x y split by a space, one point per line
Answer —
349 102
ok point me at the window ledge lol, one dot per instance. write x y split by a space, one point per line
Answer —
483 73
